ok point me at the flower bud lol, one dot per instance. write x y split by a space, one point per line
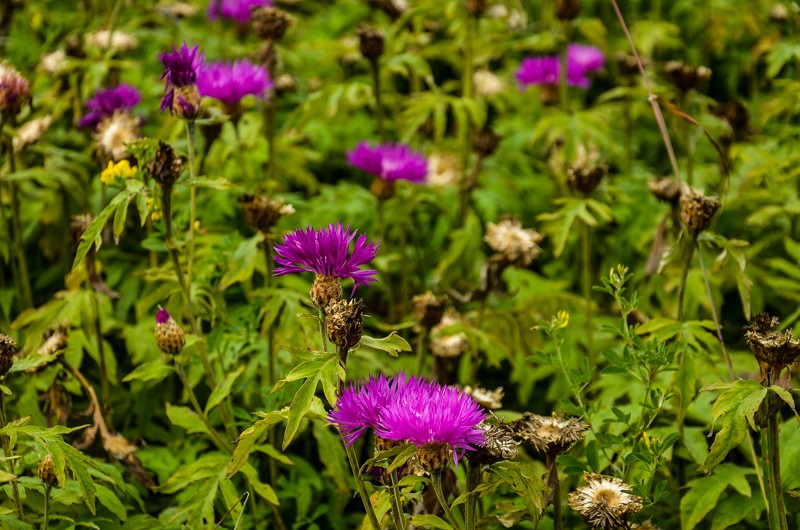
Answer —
166 166
186 102
170 338
47 471
371 42
8 349
697 209
270 23
262 213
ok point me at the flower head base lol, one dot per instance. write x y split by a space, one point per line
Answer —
517 245
390 162
181 68
170 338
326 252
551 434
231 82
697 209
239 11
107 102
8 349
546 70
774 350
121 170
604 502
15 90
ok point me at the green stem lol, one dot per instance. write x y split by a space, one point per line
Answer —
375 69
685 275
772 463
397 503
362 491
715 315
473 479
586 268
101 353
563 88
16 221
323 335
466 93
240 151
436 480
46 522
269 119
8 453
422 344
217 437
555 486
190 137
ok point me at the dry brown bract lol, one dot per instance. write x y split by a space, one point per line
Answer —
774 349
501 444
604 502
345 322
8 349
665 190
697 209
262 213
520 246
550 434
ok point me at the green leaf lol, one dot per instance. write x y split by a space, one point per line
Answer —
733 409
734 508
223 389
78 463
391 344
242 263
185 418
150 371
430 521
526 481
265 491
108 499
704 492
300 405
246 441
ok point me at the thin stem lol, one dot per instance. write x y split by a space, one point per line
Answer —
466 93
555 488
685 275
586 268
267 261
397 503
375 69
473 479
46 522
422 344
323 335
362 491
773 466
16 221
240 151
101 353
8 453
218 439
562 81
715 315
190 137
469 184
436 480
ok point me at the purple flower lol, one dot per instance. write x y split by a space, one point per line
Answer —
546 70
108 101
326 252
238 10
427 413
181 68
390 162
360 406
230 82
162 317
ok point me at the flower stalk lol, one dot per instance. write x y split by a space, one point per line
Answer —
9 454
362 491
473 479
436 481
772 469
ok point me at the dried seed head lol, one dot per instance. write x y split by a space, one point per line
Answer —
443 170
552 434
519 246
119 447
370 42
179 10
262 213
166 166
428 308
393 8
500 444
697 209
491 399
325 290
626 64
686 77
55 341
476 8
485 141
47 471
345 322
117 40
775 350
8 349
170 338
585 174
604 502
31 132
270 23
15 91
54 63
444 344
567 9
779 13
487 83
665 189
113 136
285 83
434 457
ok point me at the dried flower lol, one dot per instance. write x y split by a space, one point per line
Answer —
603 501
487 84
117 40
550 434
47 471
567 9
546 70
285 83
697 209
476 8
666 190
270 23
517 245
586 172
121 170
56 339
390 162
170 338
179 10
239 11
686 77
428 308
445 343
491 399
31 132
344 321
485 141
231 82
54 63
262 213
774 350
107 102
393 8
15 90
370 43
443 170
166 166
326 252
181 68
500 444
114 134
8 349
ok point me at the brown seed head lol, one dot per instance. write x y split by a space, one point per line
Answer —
270 23
567 9
697 209
665 189
428 308
476 8
8 349
47 471
434 457
345 322
586 172
448 344
686 77
500 444
325 290
370 42
114 134
774 349
491 399
550 434
779 13
393 8
166 166
285 83
262 213
518 246
31 132
603 501
485 141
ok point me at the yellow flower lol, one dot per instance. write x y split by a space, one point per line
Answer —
562 319
155 211
121 169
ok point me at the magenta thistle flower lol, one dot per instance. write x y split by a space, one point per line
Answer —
360 406
390 162
181 68
546 70
108 101
230 82
538 71
426 413
237 10
326 252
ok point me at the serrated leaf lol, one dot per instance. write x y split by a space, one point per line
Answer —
242 262
185 418
150 371
430 521
391 344
703 493
523 478
265 491
246 441
223 389
108 499
300 405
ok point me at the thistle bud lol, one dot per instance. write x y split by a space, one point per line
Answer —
428 308
697 209
325 290
262 213
485 141
476 8
47 471
166 166
8 349
186 102
345 322
270 23
370 42
170 338
434 457
567 9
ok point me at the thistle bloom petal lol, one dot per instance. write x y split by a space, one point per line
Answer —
181 68
326 252
546 70
237 10
360 406
390 162
108 101
230 82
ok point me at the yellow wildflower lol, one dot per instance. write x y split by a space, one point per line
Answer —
121 169
152 207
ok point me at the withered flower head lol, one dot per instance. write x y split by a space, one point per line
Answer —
491 399
270 23
170 338
428 308
626 64
15 91
443 170
774 349
476 8
567 9
604 502
485 141
519 246
285 83
116 40
392 8
8 349
345 322
166 166
47 471
686 77
55 341
646 525
550 434
370 42
54 63
779 13
31 132
487 83
113 134
697 209
262 213
586 172
445 344
665 189
500 444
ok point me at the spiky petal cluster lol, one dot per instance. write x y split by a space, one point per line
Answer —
231 82
108 101
237 10
181 68
326 252
546 70
390 162
360 406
